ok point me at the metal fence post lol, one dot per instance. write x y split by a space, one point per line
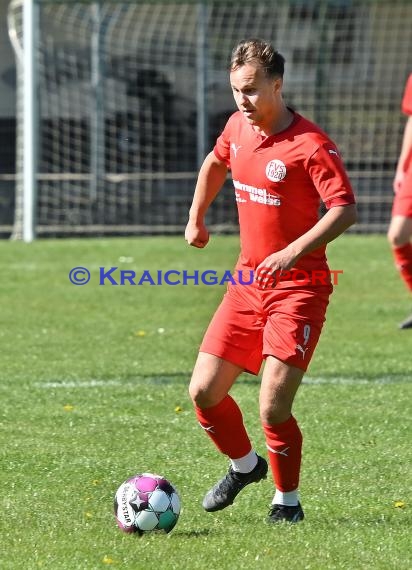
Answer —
201 81
30 31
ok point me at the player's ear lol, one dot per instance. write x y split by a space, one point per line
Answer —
277 85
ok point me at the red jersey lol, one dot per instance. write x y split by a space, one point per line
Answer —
279 181
407 97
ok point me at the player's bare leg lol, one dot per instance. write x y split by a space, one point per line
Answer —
280 383
221 418
212 379
400 230
399 237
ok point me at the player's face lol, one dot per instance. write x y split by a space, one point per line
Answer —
256 95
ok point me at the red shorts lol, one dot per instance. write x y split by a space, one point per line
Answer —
402 203
252 323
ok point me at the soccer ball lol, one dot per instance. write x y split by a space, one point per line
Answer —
146 502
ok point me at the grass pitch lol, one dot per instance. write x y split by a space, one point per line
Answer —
94 389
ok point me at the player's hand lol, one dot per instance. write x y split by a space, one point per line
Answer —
267 273
196 234
398 181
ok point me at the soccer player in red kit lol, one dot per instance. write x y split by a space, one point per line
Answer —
282 165
400 228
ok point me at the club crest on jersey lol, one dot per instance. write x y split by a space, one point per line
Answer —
275 170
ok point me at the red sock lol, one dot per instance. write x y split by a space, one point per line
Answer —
403 262
284 443
223 423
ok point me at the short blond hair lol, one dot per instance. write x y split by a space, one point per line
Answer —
258 52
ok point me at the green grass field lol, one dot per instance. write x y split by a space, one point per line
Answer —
94 389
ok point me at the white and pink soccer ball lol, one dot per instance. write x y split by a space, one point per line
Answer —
146 502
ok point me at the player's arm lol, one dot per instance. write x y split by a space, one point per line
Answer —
336 220
212 175
405 155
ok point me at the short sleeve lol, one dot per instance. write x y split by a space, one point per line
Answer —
222 146
328 174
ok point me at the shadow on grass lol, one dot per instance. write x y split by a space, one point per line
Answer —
199 533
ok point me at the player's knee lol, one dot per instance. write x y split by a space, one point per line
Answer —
194 392
390 234
393 237
398 240
271 414
200 396
398 236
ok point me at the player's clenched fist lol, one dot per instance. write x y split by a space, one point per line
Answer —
196 234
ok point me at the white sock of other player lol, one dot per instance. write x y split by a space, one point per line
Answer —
245 464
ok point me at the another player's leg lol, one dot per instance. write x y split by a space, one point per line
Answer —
399 236
283 437
220 417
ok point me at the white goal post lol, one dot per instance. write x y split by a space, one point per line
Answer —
118 103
